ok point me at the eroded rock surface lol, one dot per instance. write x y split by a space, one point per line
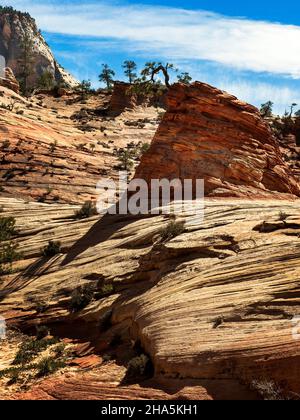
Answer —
57 149
9 81
13 27
211 135
215 303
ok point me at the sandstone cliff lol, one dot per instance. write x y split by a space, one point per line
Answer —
13 26
209 134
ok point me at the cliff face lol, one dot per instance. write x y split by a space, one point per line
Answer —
211 135
13 27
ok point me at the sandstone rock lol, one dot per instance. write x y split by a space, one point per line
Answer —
121 98
214 304
48 156
13 26
211 135
124 98
9 81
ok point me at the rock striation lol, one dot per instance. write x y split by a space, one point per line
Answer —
209 134
48 143
216 303
13 26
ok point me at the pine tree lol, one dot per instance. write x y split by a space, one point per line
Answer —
107 76
184 78
26 61
129 70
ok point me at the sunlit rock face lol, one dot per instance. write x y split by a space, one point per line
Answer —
13 27
209 134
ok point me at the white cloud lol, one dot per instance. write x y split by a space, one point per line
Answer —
178 34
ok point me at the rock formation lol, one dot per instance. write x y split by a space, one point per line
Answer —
211 135
9 81
46 143
123 97
13 26
215 304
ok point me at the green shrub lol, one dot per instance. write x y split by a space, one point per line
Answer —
172 230
7 228
267 389
48 366
138 366
87 210
29 349
53 248
8 249
81 297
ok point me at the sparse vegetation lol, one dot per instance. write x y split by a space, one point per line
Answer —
29 349
28 363
46 81
84 89
87 210
266 109
48 366
172 230
126 158
184 78
107 76
53 248
26 62
130 70
138 366
282 216
8 249
268 390
53 146
81 297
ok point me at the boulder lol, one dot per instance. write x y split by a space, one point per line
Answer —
211 135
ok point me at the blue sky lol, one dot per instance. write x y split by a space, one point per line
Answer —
251 49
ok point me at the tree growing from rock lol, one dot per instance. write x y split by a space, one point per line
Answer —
184 78
46 81
266 109
130 70
107 76
26 61
153 68
292 109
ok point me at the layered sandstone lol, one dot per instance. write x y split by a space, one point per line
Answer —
214 304
9 81
211 135
57 149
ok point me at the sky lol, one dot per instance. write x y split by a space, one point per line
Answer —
251 49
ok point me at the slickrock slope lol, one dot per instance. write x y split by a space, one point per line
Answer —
57 149
13 26
214 304
211 135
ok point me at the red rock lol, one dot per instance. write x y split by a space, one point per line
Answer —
211 135
91 361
